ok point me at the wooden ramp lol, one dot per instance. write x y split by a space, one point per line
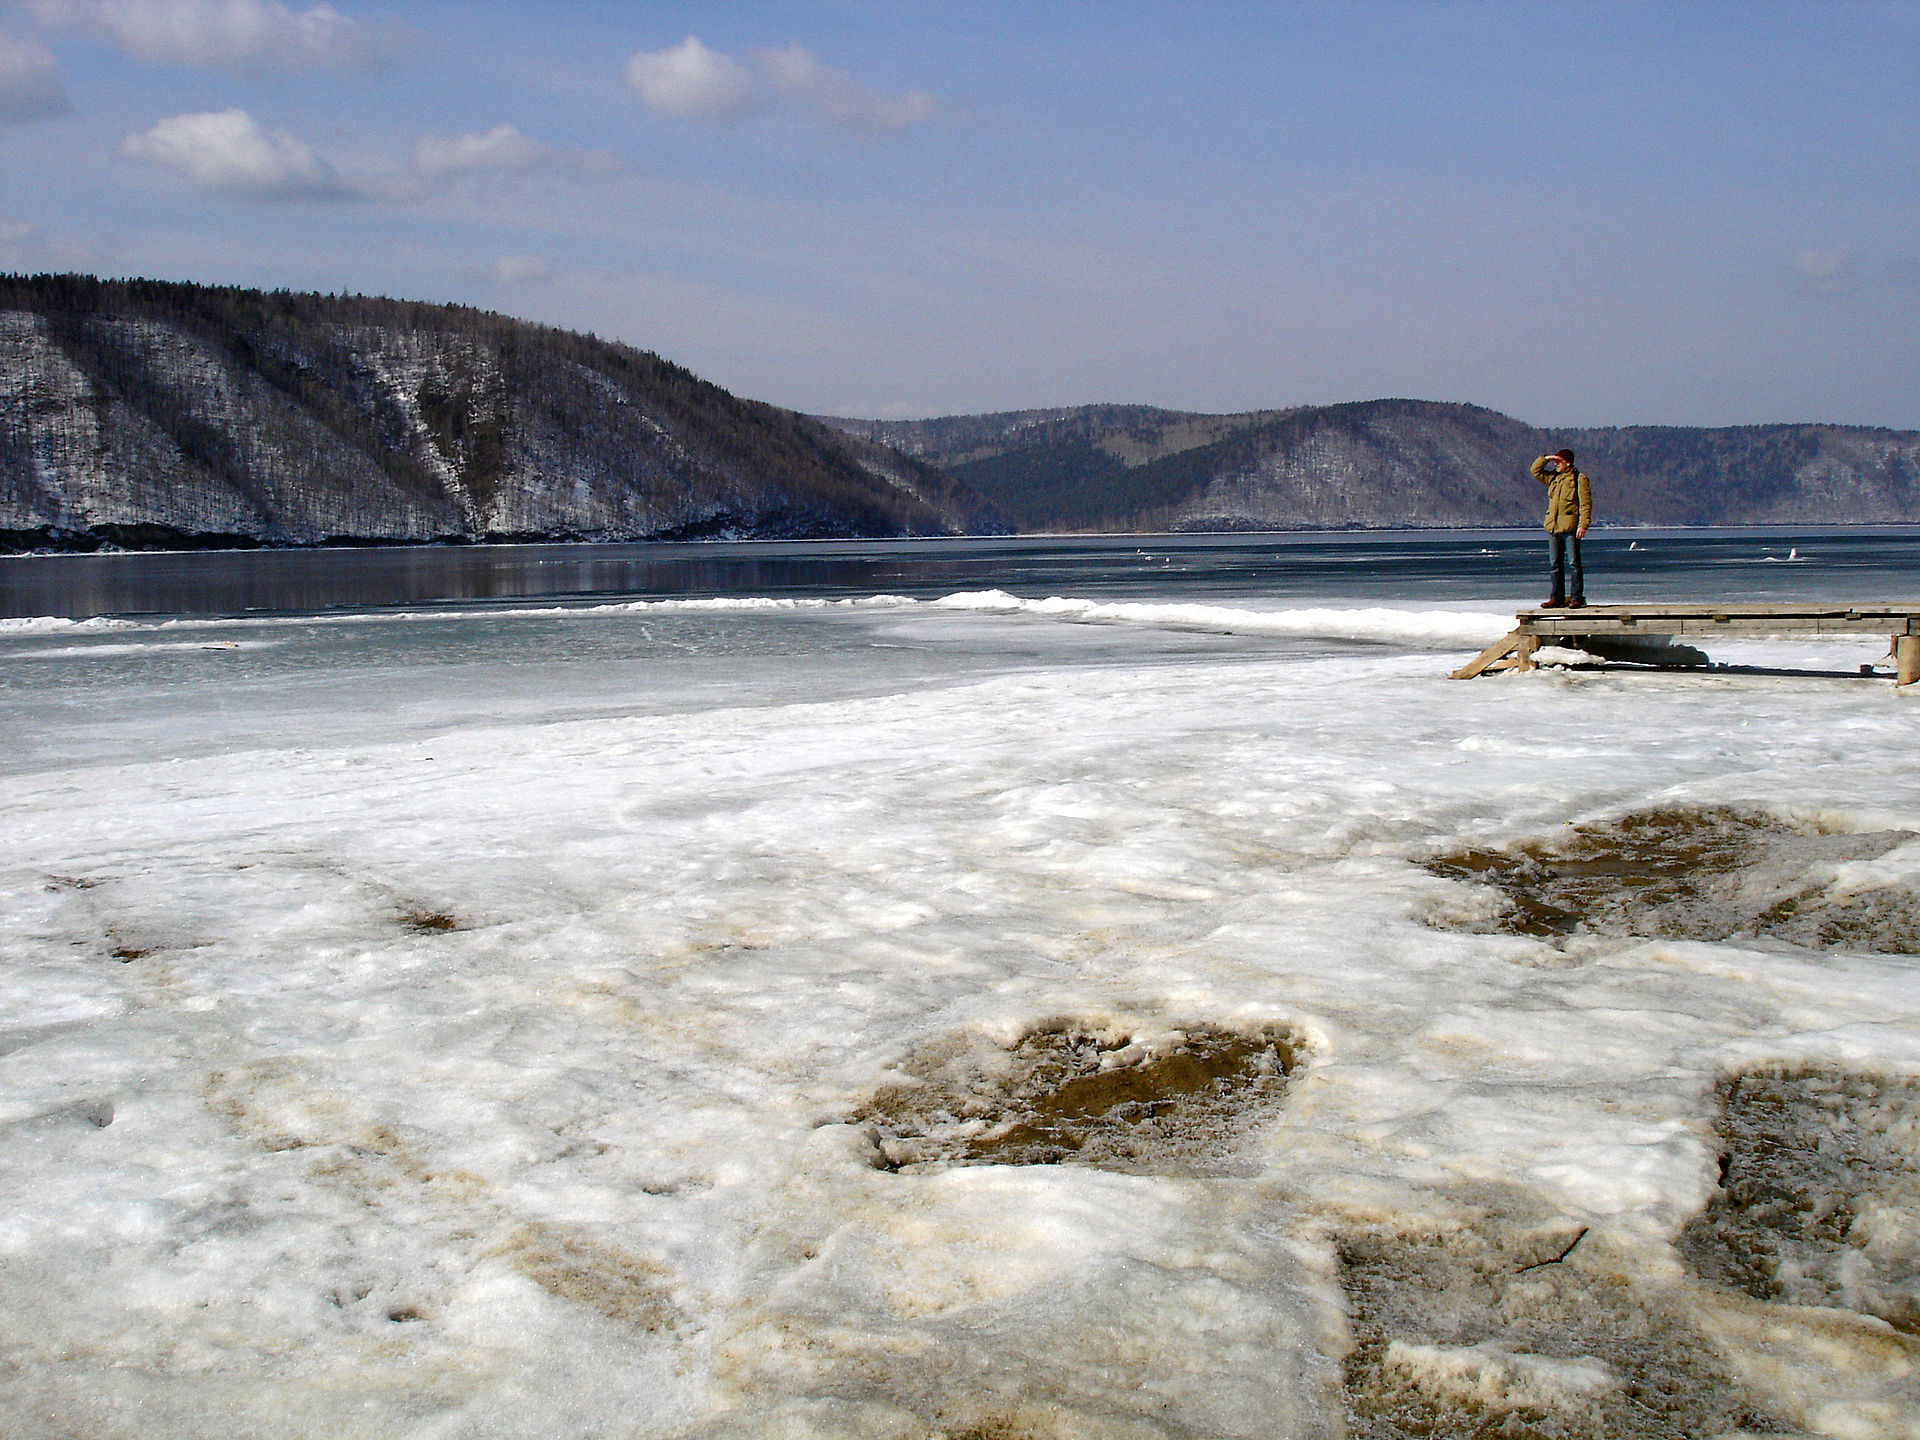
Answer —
1663 634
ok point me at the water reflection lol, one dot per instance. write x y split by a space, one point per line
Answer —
1435 567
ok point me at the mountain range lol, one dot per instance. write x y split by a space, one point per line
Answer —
1380 463
146 414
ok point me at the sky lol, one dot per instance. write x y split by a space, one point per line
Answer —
1578 214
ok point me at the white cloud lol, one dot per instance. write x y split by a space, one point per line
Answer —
691 82
30 87
1827 272
503 148
226 34
227 152
837 99
519 269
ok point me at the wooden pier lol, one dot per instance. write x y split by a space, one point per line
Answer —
1672 635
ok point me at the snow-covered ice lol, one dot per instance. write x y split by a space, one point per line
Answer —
451 1024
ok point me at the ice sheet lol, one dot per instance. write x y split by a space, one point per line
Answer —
445 1026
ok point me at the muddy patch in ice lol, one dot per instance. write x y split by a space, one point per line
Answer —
1692 874
591 1272
1170 1103
1491 1332
419 920
1819 1199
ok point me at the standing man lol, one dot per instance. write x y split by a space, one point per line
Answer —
1569 512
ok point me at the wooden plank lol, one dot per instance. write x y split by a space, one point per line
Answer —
1521 657
1499 650
1655 610
1587 623
1597 623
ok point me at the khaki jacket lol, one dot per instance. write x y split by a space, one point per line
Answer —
1569 498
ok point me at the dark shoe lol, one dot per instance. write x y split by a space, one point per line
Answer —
1553 604
1576 603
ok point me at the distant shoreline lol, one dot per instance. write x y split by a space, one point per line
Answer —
247 545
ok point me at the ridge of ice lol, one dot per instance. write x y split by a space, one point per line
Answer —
1425 629
1418 628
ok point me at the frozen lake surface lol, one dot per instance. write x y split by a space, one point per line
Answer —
598 1019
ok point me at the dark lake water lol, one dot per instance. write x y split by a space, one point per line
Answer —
1424 567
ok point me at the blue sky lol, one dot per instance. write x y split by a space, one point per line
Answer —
1575 213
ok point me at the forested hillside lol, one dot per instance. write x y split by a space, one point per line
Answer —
1398 463
144 414
140 413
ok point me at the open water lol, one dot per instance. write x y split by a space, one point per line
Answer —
1424 566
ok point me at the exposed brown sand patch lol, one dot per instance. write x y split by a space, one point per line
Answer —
1080 1093
1525 1334
1693 874
1819 1198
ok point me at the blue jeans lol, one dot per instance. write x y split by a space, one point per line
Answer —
1563 554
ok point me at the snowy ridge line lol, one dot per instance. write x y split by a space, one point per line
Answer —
1423 629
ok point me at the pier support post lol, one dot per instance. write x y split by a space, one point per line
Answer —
1906 659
